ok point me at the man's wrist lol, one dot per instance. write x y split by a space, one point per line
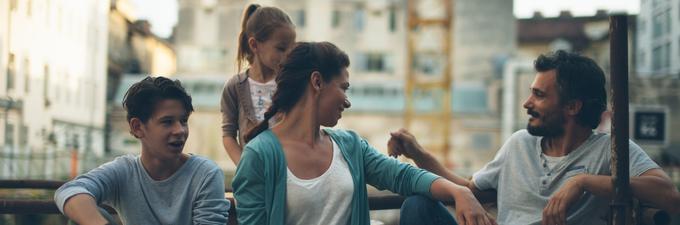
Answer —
421 155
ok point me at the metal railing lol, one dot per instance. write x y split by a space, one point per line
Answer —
646 214
48 163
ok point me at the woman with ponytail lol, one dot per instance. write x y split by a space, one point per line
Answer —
267 33
297 173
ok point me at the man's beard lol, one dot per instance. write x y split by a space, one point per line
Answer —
551 125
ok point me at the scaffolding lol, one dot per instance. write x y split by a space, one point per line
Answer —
432 122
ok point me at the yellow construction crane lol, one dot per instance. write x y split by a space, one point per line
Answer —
434 126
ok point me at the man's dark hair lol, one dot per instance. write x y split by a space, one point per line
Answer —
141 99
578 78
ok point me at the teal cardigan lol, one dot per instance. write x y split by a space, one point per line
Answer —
260 181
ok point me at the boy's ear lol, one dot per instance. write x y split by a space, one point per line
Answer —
136 128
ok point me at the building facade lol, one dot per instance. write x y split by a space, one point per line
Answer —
373 34
658 46
52 86
205 36
133 49
655 83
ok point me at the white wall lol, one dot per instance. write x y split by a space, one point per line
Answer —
60 45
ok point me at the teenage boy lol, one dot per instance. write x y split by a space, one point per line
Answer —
161 185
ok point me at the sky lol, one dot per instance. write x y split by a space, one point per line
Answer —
163 13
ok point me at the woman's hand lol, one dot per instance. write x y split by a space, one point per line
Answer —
468 209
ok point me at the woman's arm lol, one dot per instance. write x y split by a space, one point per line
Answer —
385 172
249 190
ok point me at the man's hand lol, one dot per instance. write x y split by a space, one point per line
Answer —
404 143
555 212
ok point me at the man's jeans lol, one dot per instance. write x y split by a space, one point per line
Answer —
423 210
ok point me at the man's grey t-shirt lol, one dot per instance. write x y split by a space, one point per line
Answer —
194 194
525 184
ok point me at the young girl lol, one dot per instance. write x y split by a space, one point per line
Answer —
298 173
267 34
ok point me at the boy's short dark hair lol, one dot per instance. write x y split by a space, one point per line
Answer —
578 78
141 99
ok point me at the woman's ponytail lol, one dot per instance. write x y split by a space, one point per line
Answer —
263 125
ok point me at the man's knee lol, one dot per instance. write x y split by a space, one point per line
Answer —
418 202
419 209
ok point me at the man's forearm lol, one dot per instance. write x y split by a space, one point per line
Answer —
82 209
652 189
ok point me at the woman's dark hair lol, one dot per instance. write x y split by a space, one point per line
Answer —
141 99
578 78
258 22
294 75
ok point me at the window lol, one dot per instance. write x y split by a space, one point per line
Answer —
23 136
300 18
359 20
11 71
226 32
46 84
27 75
656 58
67 93
185 25
661 24
660 57
336 18
481 141
641 58
429 64
9 135
470 98
375 62
666 56
393 19
12 5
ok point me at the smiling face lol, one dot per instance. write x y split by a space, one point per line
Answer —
543 105
166 131
270 52
333 99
